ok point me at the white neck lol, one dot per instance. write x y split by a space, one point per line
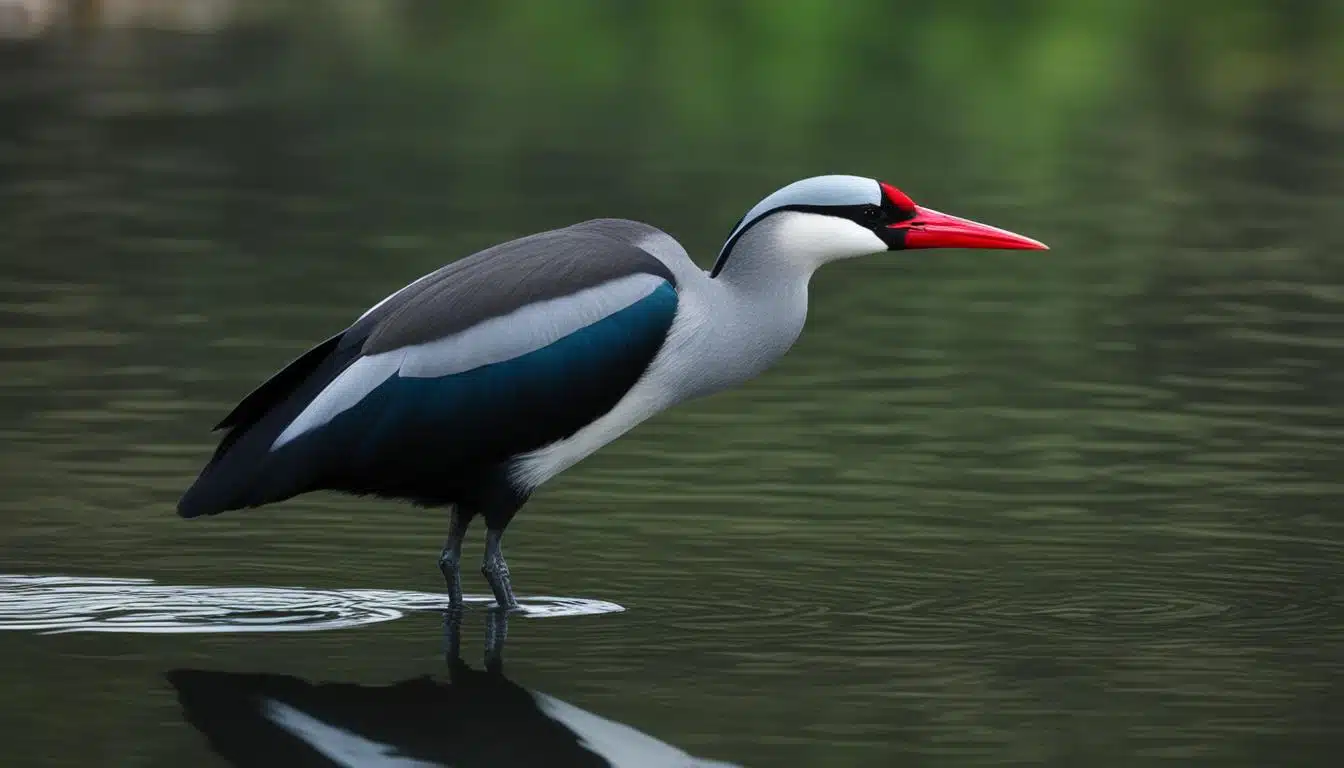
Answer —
760 294
788 246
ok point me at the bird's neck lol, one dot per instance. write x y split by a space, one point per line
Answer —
766 298
768 269
766 260
768 274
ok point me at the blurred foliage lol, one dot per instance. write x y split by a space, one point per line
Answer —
1138 138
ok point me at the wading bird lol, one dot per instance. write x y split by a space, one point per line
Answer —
474 385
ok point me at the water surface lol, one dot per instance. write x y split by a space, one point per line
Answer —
994 509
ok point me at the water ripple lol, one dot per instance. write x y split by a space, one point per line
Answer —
60 604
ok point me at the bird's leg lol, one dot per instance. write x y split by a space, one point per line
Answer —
496 571
451 557
496 631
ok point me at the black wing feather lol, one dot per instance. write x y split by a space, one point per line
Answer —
275 389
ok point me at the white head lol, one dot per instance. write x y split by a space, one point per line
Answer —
814 221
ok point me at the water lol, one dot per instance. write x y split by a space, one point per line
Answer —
994 508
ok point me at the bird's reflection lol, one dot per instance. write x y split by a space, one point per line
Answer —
477 718
496 632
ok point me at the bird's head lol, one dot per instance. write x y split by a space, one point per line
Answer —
825 218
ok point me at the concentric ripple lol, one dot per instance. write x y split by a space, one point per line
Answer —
58 604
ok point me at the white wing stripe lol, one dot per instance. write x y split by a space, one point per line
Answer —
524 330
343 393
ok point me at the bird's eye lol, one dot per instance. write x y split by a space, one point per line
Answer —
872 215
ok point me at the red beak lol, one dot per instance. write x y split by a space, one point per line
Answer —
931 229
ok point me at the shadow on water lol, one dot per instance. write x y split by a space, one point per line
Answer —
474 718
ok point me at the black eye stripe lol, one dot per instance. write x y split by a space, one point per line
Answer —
869 215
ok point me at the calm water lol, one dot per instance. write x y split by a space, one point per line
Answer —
1079 507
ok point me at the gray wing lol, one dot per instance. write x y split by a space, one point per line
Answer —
503 278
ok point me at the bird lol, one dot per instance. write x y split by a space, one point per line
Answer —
471 387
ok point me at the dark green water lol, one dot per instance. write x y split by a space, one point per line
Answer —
1079 507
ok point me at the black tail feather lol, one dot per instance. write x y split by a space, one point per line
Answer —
238 474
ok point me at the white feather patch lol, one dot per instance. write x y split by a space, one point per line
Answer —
343 393
495 340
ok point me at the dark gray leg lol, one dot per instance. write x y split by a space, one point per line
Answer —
451 556
496 571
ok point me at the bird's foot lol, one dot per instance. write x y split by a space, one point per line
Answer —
496 571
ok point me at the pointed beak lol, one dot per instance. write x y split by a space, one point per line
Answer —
931 229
